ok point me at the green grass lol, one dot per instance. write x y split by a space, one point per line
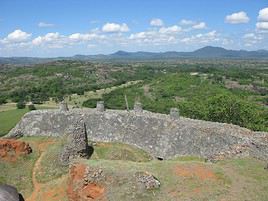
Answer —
51 168
119 151
8 119
173 186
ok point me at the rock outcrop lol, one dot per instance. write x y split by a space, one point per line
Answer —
163 136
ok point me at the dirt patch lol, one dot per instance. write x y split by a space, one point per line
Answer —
199 171
11 149
37 186
79 190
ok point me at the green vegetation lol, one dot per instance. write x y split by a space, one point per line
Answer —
21 105
231 91
50 168
196 96
19 173
9 119
119 151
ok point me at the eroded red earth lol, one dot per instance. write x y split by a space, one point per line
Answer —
11 149
78 190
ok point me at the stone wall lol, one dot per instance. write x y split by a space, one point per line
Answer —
161 135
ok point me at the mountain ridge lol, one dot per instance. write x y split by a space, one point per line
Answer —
207 52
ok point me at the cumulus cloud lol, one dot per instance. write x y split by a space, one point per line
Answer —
251 39
113 28
200 25
76 37
187 22
263 14
156 22
170 30
211 36
262 26
44 24
16 36
50 40
237 18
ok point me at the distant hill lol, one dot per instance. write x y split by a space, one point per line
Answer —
207 52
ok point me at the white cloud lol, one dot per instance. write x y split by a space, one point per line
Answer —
262 26
200 25
76 37
251 39
157 22
50 40
263 14
237 18
16 36
113 27
187 22
211 36
154 37
44 24
170 30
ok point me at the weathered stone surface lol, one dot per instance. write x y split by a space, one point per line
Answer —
63 106
174 113
157 134
9 193
147 180
93 175
100 106
138 107
77 143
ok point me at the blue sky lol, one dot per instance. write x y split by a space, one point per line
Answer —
68 27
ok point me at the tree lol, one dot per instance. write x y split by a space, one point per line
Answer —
231 109
20 105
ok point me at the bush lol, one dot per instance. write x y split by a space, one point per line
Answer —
91 103
20 105
3 100
31 107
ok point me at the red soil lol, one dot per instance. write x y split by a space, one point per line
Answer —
79 191
11 149
199 171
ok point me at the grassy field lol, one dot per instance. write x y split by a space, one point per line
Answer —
9 118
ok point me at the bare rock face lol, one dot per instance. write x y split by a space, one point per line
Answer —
147 180
9 193
77 143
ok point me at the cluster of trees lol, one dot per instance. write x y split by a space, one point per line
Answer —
196 98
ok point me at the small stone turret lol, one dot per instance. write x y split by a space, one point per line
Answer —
77 143
63 106
174 113
100 106
138 107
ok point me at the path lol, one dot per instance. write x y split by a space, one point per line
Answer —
36 184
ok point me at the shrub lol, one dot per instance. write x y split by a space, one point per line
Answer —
20 105
31 107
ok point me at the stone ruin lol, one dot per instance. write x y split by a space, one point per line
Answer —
163 136
63 106
174 113
137 107
77 143
100 106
